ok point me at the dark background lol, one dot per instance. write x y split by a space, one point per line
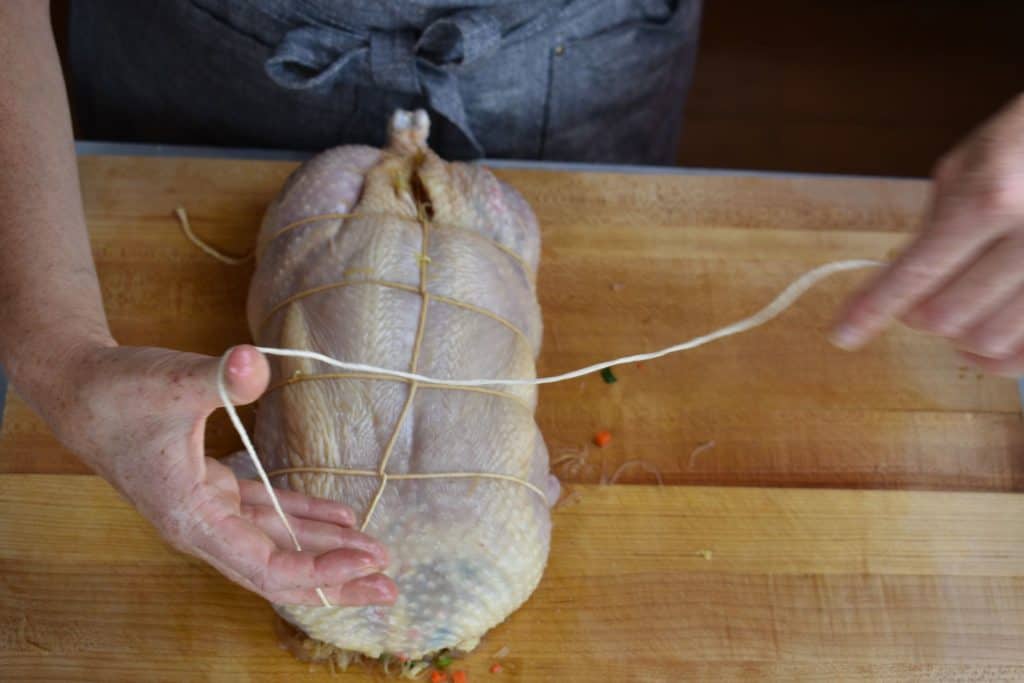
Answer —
848 86
840 86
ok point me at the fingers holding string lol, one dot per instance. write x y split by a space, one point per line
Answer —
934 258
243 552
313 535
976 293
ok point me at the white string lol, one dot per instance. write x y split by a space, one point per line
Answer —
783 301
240 428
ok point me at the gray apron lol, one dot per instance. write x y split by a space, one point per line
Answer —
575 80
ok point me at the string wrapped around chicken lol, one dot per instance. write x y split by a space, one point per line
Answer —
398 259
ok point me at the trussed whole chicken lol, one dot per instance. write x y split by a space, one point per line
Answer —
398 259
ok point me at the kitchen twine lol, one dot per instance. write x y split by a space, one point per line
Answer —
782 302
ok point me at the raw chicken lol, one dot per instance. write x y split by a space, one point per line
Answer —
432 270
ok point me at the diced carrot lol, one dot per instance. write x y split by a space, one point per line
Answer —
603 438
496 668
438 676
459 677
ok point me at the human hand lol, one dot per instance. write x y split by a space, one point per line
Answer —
963 277
137 416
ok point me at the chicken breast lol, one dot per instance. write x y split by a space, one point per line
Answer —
397 259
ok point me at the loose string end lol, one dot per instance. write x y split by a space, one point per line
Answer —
186 227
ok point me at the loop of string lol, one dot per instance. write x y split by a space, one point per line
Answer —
781 302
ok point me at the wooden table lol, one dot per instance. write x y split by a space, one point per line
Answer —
851 516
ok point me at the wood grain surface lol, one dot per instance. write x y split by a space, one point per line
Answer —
644 584
630 263
752 577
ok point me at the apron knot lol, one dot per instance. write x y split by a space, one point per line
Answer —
424 63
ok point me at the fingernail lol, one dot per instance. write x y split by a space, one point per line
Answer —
240 362
845 337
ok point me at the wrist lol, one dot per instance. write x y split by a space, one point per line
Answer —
47 364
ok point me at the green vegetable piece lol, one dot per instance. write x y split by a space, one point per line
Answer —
608 376
443 662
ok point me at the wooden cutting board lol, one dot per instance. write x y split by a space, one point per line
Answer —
630 263
646 583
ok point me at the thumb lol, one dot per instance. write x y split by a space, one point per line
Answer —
245 373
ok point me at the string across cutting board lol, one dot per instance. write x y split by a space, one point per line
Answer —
781 302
